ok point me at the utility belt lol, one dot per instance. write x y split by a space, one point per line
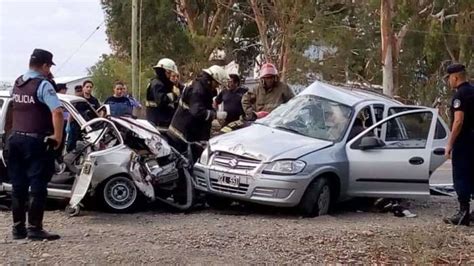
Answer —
31 135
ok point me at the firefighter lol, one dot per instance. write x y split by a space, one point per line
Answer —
193 119
160 99
267 96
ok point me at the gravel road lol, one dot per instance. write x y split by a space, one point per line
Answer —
247 235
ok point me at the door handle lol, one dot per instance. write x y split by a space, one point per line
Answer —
416 161
439 151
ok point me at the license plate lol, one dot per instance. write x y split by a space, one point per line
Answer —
231 181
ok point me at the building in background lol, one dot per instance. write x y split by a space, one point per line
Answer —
71 82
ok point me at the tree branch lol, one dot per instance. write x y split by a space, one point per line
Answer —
187 13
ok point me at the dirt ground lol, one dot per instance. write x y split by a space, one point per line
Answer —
247 235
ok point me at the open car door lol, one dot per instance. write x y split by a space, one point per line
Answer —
396 163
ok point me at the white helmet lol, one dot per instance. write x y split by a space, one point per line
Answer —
167 64
218 73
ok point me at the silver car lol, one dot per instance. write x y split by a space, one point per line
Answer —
327 144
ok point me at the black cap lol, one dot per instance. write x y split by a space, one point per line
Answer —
40 56
455 68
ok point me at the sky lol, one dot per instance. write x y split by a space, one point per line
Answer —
59 26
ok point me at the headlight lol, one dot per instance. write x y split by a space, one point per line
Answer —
204 159
286 167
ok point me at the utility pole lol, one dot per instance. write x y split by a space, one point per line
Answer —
386 10
134 47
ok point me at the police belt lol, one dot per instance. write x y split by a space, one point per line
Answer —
31 135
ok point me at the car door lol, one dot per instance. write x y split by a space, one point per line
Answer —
440 140
396 164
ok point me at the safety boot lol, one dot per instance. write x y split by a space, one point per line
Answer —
462 217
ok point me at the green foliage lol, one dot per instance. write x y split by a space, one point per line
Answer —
346 33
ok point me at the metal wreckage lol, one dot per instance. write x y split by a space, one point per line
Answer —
118 164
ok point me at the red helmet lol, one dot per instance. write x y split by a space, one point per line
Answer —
268 69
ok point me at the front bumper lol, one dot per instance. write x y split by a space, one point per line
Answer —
273 190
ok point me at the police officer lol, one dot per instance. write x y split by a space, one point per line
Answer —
461 141
36 132
160 99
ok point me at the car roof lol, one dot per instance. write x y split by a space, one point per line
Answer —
347 95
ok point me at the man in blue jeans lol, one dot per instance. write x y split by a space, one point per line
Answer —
37 129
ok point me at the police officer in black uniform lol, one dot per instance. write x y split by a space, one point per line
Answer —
37 130
461 141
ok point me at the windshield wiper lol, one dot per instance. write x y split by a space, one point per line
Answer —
289 130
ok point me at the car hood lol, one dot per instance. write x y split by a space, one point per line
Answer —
266 144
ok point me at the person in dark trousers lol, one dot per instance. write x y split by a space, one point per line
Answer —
36 132
160 99
87 87
461 141
232 99
193 119
120 105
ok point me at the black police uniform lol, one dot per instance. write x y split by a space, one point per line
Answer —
30 160
463 148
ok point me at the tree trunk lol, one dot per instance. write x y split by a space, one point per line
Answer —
387 45
262 29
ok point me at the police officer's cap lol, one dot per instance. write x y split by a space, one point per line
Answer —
455 68
40 56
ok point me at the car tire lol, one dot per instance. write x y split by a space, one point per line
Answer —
119 194
316 200
218 203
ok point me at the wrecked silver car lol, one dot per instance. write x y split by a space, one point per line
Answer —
325 145
119 163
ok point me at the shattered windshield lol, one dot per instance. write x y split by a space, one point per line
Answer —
311 116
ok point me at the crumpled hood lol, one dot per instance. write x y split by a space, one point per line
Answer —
266 144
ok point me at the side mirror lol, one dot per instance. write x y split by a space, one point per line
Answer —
104 110
368 143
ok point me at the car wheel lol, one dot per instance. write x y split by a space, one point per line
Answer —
317 199
119 194
219 203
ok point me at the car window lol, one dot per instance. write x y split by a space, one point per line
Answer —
362 121
378 110
408 131
440 131
311 116
85 109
